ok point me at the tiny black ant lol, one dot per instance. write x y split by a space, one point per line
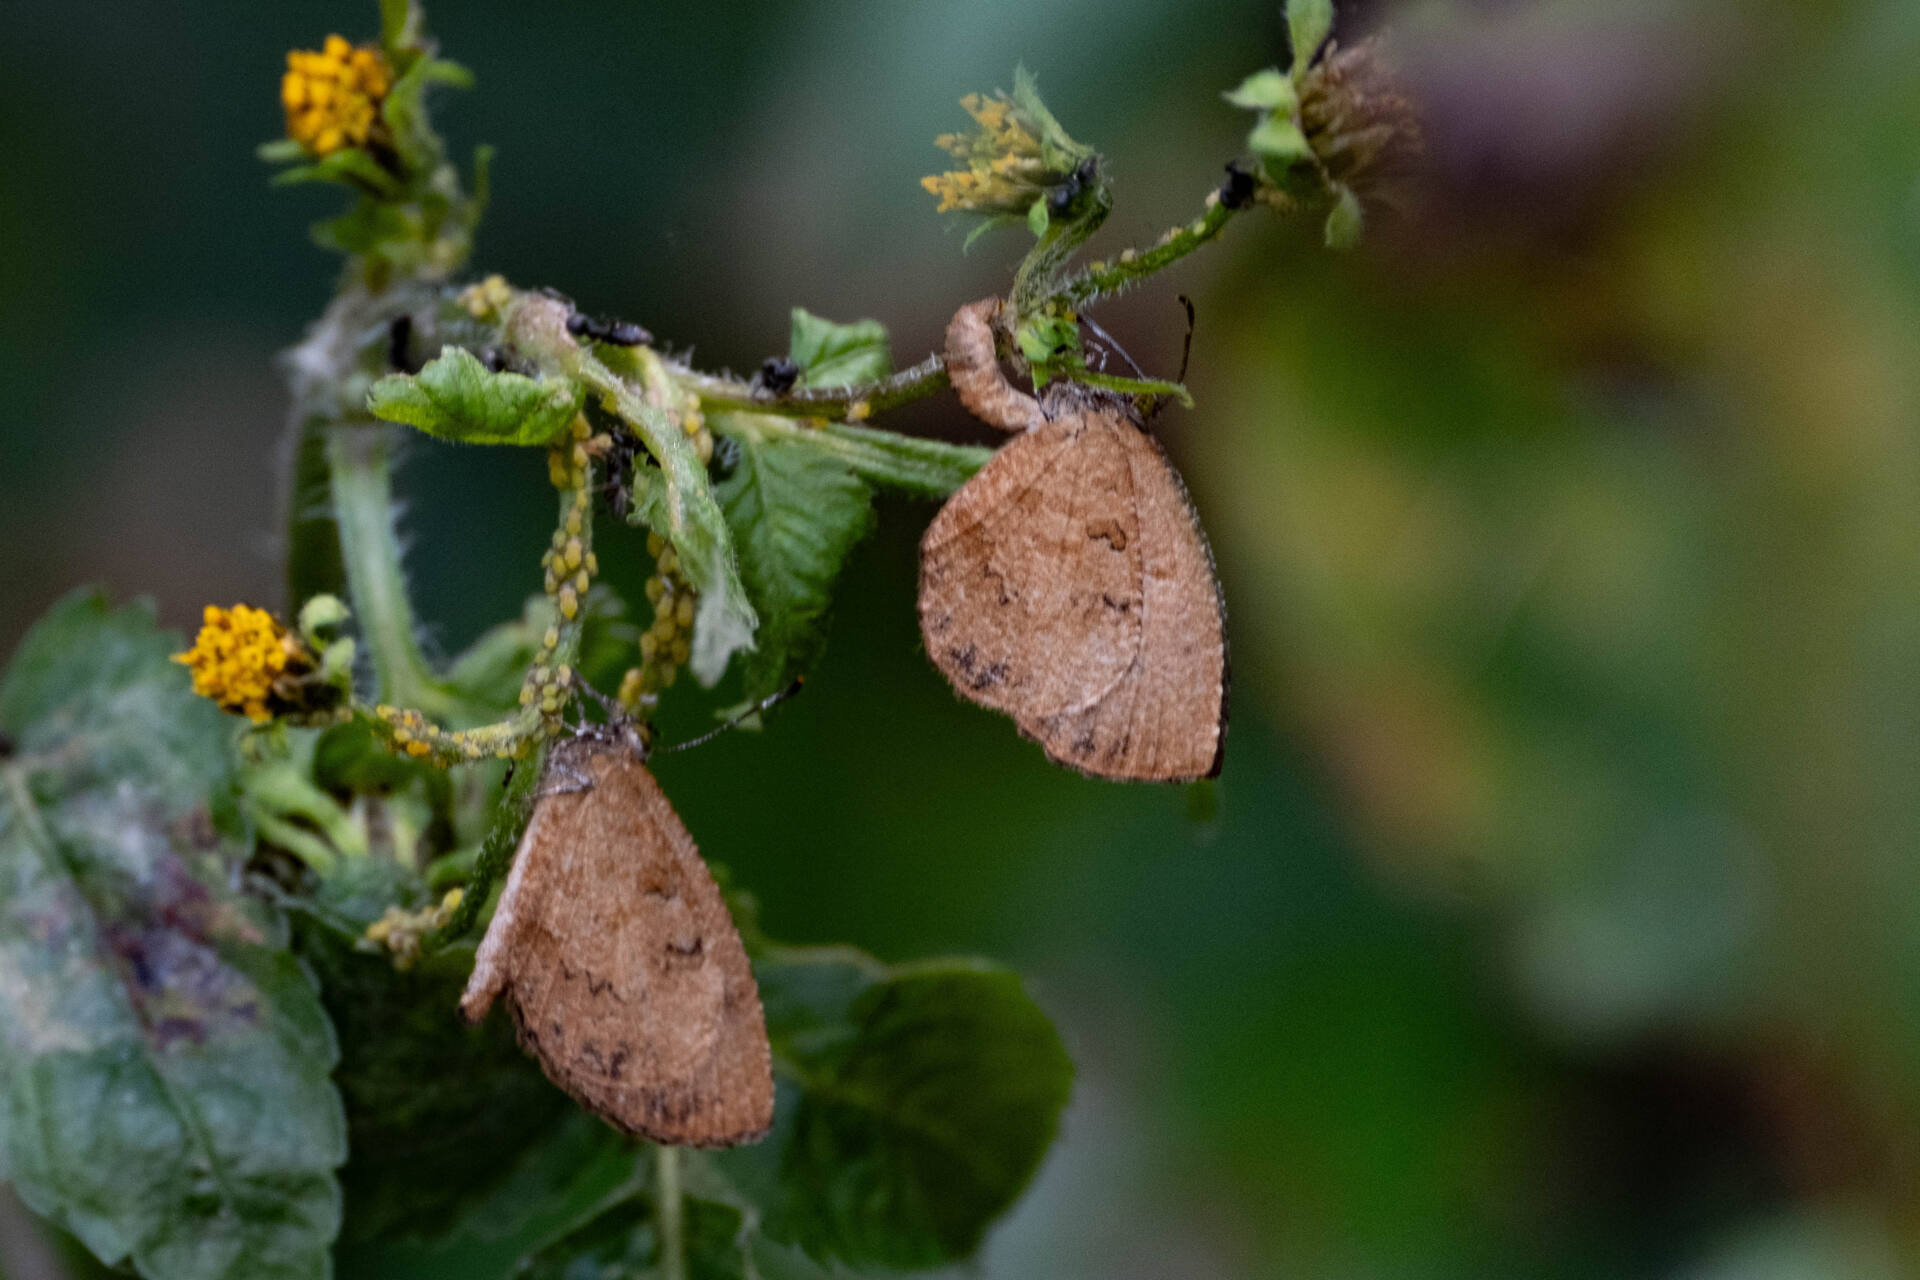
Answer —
1061 197
618 333
400 344
778 374
1237 191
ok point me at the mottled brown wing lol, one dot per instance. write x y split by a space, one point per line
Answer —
1069 585
625 974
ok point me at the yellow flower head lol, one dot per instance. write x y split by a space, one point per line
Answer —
245 660
1004 171
333 96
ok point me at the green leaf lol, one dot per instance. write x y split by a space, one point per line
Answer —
911 464
624 1244
1268 90
439 1112
1308 22
575 1170
795 513
164 1060
927 1097
676 502
1345 221
455 397
838 355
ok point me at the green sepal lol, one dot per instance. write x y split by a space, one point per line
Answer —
405 112
347 167
1346 221
1278 142
838 355
1050 343
455 397
1060 153
1037 217
1268 90
280 151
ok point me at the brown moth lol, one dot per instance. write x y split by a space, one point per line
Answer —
624 973
1068 583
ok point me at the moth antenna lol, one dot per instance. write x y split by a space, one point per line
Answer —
1186 347
771 700
1108 338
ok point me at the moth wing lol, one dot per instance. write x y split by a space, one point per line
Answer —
625 973
1030 576
1073 589
1166 720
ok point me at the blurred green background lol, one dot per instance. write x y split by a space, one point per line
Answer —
1561 910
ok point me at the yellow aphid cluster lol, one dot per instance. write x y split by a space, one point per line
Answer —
1004 171
485 300
414 734
333 96
246 661
694 424
400 932
666 645
569 563
569 567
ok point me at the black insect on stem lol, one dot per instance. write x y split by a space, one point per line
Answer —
619 482
1237 191
777 375
613 332
1186 346
1063 195
400 345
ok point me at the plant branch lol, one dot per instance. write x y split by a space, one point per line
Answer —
1103 279
715 392
361 465
670 1210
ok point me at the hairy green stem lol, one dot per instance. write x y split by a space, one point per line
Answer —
1107 278
496 851
667 1204
718 393
360 459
